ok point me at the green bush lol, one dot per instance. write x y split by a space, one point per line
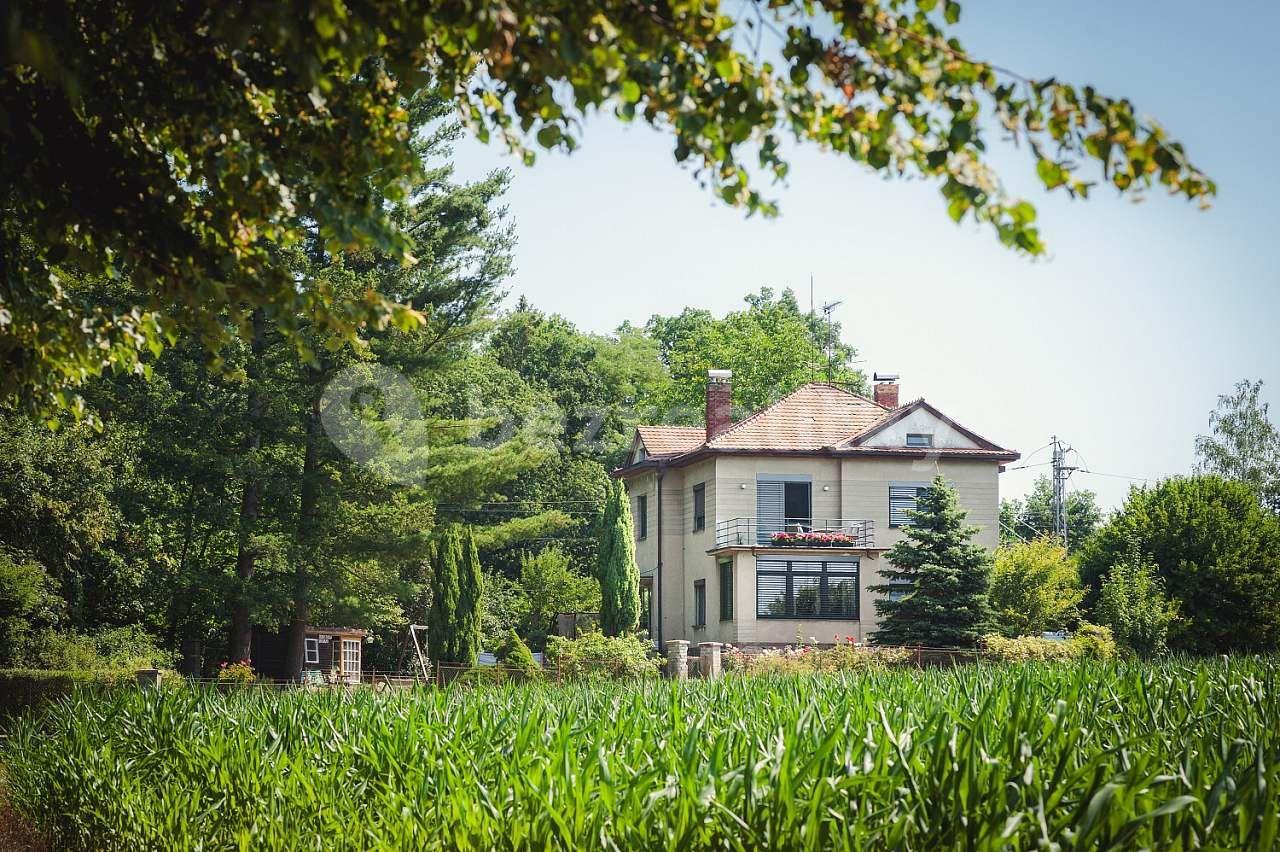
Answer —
1133 604
1024 649
21 689
121 648
810 659
596 656
1090 642
1094 641
517 660
236 674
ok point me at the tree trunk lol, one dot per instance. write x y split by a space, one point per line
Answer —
308 510
246 553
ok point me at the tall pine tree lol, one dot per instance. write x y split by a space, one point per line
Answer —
944 575
619 576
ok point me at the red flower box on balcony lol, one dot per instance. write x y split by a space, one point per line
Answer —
813 539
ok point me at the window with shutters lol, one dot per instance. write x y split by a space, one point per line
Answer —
699 603
642 516
902 499
783 502
792 588
726 590
700 507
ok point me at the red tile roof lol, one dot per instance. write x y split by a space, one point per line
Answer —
814 418
811 417
671 440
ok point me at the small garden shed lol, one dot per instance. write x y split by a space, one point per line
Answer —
331 654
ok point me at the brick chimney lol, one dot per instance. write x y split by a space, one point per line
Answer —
886 390
719 400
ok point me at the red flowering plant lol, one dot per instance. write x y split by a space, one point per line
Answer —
813 539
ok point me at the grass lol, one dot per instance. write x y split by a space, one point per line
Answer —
1094 755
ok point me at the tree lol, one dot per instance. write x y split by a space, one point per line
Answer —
1245 444
619 577
1216 550
1035 586
29 606
470 595
1132 603
552 587
443 625
209 136
1023 520
771 347
935 592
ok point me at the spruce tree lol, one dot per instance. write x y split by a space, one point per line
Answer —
470 587
944 574
442 623
619 576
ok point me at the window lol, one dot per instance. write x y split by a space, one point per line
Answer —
351 658
899 590
902 499
700 507
312 647
783 501
787 588
699 603
642 516
796 501
726 590
919 439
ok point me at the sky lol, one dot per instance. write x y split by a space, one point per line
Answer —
1118 342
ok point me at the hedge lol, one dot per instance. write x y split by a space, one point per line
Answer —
21 689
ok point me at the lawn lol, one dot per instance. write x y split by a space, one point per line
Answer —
1170 755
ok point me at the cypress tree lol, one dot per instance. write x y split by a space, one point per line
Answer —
616 569
471 588
442 623
944 574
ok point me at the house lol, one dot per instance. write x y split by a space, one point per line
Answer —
329 653
774 527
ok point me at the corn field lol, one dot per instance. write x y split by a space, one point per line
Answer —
1172 755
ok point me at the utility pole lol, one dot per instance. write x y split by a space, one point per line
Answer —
1061 471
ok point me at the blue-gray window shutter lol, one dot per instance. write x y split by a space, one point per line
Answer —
902 499
769 509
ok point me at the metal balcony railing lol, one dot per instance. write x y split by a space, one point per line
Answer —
795 532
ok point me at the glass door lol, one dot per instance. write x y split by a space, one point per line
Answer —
351 660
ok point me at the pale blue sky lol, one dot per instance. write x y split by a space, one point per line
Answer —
1119 341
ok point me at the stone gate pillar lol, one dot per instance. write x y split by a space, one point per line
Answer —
678 659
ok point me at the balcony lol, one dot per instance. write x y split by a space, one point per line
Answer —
796 532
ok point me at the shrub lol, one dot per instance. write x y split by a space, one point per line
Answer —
1024 649
127 648
1094 641
1035 586
596 656
1090 642
1133 604
21 689
517 660
808 659
237 674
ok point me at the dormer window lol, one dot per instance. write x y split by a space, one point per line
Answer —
919 439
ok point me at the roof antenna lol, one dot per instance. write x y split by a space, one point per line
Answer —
827 308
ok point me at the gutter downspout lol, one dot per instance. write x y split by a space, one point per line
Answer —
657 572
